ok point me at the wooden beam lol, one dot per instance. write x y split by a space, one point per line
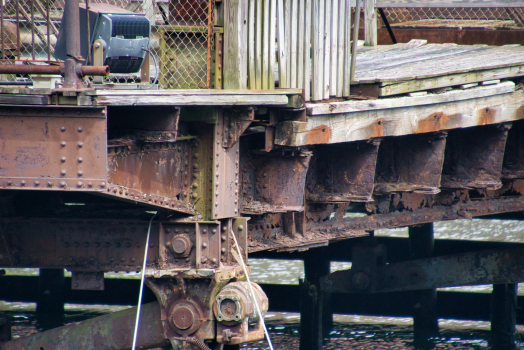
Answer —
450 80
370 23
193 100
235 48
364 125
455 95
166 93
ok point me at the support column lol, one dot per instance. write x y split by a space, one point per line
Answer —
425 320
50 298
503 316
5 328
319 318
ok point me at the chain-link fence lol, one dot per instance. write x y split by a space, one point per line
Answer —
431 17
181 41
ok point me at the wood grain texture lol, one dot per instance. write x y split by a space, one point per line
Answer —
370 23
307 53
282 50
259 42
252 43
235 50
327 48
192 100
450 3
272 37
368 124
400 102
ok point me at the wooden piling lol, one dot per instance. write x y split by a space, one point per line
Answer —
307 51
251 46
272 36
282 50
301 43
346 66
50 298
235 49
503 316
370 23
310 324
258 51
265 46
334 48
425 319
327 49
317 48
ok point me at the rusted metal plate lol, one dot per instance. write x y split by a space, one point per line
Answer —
342 173
87 280
424 214
513 166
474 156
235 122
50 148
157 173
482 267
225 171
274 182
410 163
111 331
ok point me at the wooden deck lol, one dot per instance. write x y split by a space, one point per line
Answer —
417 66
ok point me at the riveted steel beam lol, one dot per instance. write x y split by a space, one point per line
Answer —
342 173
481 267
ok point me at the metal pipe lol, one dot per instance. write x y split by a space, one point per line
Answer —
72 20
47 69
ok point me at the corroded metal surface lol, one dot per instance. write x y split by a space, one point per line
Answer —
112 331
482 267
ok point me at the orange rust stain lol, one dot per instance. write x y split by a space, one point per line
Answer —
486 116
518 186
376 129
435 122
320 134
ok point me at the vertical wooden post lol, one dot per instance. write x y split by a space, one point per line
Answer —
346 67
317 265
272 36
425 320
259 15
251 46
327 48
287 25
5 328
370 23
310 323
282 50
301 43
503 316
317 47
265 47
334 49
50 298
294 38
307 52
235 44
355 40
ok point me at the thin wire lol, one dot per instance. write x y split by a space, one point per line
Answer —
142 284
252 291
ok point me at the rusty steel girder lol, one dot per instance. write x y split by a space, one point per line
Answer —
474 268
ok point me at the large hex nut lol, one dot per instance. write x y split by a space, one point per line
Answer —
180 245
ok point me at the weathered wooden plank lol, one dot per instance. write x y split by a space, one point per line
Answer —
12 99
190 92
307 54
370 23
294 43
301 44
235 48
450 80
317 53
343 21
355 42
282 50
193 100
368 105
287 24
334 48
401 121
252 43
265 47
259 37
272 36
449 3
327 48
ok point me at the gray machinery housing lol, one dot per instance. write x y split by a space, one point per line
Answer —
124 35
